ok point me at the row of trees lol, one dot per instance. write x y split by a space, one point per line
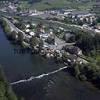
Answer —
88 42
36 44
90 45
5 26
89 72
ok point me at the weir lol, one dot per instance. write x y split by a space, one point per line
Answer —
39 76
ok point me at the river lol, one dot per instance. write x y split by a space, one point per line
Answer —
59 85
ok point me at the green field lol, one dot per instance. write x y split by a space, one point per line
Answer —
53 4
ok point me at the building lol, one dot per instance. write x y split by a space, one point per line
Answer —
82 17
68 37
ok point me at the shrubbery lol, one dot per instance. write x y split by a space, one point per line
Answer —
88 42
90 72
6 27
6 92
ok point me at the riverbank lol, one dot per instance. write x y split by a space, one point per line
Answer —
79 65
6 92
57 86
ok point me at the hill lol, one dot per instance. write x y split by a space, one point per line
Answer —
55 4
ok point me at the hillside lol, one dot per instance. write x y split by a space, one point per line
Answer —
53 4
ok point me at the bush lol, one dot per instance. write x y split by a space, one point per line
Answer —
34 41
82 77
6 92
13 35
6 27
20 37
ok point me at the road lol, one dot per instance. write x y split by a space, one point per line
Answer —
14 28
60 44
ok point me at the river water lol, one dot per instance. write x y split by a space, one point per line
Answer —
36 78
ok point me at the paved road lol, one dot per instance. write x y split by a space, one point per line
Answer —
14 28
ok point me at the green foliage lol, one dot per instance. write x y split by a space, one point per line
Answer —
20 37
89 71
50 40
19 23
98 20
49 4
97 41
64 56
40 43
88 42
68 20
6 92
13 35
18 9
34 41
6 27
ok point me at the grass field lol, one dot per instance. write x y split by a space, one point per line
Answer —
53 4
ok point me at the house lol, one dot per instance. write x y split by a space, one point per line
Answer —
69 37
27 30
27 26
32 34
82 16
44 36
71 59
97 30
11 8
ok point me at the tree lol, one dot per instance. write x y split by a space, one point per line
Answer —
20 37
6 28
51 40
34 41
18 9
86 42
13 35
40 43
68 20
97 41
64 56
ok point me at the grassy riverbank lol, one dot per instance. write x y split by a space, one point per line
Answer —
5 26
6 92
88 44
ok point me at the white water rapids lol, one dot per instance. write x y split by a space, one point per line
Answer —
39 76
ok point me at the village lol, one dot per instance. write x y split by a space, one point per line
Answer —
68 36
45 40
50 49
42 40
51 33
86 20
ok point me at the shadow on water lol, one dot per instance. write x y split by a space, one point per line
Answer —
95 82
